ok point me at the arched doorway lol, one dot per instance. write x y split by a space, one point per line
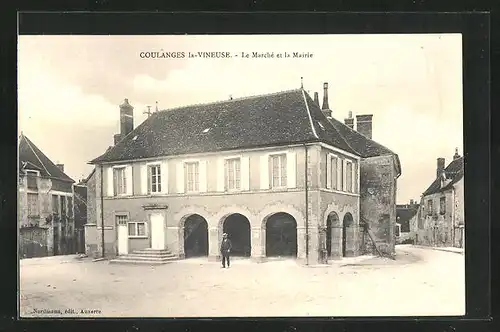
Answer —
195 236
346 233
281 235
237 227
333 235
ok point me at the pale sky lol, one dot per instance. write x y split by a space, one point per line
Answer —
70 88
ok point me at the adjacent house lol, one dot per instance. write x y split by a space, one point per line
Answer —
45 204
441 220
277 172
405 216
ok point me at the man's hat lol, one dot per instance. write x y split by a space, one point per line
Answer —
225 234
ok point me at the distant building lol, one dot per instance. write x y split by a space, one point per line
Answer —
441 220
277 172
405 215
80 190
45 204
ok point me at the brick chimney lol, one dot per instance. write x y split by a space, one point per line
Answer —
456 155
349 122
325 108
117 138
364 125
411 202
126 118
440 167
316 99
61 167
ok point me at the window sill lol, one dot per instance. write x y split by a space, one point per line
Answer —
138 237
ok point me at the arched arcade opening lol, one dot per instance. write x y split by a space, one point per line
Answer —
281 235
237 226
195 236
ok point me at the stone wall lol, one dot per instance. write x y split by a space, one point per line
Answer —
378 179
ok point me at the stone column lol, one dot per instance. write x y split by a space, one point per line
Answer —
336 242
213 244
301 245
314 246
175 240
351 236
258 244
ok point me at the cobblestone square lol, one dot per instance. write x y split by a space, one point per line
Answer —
420 281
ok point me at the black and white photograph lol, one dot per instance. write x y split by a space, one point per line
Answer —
241 175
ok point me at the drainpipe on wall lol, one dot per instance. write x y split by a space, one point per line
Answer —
453 225
102 213
307 207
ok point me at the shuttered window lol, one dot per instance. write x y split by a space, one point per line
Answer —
232 174
119 181
333 172
33 207
154 179
349 176
192 176
278 171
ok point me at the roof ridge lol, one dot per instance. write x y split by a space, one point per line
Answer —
36 155
309 114
230 100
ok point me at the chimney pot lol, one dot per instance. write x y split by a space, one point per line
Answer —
126 118
456 155
350 114
364 125
326 108
440 166
316 98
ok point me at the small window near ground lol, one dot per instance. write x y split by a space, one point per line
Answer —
137 229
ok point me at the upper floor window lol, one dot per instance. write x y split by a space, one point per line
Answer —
33 207
232 174
55 204
429 207
278 171
154 179
341 176
334 164
63 206
119 181
70 206
442 205
192 176
121 219
32 176
349 176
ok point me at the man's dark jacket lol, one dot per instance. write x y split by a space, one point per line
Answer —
225 246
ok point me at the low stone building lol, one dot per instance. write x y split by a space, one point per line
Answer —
45 204
406 214
441 219
277 172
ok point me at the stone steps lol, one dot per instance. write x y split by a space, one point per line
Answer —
146 256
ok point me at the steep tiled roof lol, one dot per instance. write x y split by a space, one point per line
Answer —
30 157
281 118
454 172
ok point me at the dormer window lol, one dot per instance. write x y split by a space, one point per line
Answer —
32 176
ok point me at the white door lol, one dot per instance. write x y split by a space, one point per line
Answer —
157 231
122 239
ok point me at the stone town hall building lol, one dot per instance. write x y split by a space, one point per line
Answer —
276 172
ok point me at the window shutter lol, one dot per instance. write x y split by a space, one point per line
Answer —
220 175
328 171
291 169
353 177
164 176
203 176
245 173
144 179
344 176
129 180
180 177
110 181
264 172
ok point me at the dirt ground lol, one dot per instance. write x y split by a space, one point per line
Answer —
419 282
